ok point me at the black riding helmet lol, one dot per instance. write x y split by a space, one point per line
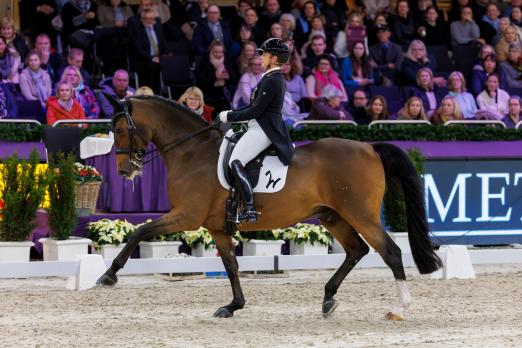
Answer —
277 47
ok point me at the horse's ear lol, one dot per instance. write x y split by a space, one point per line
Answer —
116 104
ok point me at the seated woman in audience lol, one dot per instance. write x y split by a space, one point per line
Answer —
416 58
248 82
509 37
355 31
378 108
457 90
82 93
35 82
291 111
356 69
485 50
516 19
448 110
247 52
14 41
287 22
430 94
64 106
328 106
412 110
303 23
114 14
322 75
511 68
276 30
513 116
194 100
492 101
294 84
9 63
434 30
8 108
479 76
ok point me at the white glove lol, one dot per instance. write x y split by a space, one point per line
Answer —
223 115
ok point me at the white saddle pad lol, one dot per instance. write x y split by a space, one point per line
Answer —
272 176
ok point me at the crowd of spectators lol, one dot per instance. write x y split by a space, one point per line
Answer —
351 60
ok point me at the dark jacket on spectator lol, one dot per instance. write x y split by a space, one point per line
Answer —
510 74
393 55
203 36
53 66
34 22
321 110
21 47
140 45
438 35
421 93
478 81
107 88
205 78
70 15
404 30
410 68
335 20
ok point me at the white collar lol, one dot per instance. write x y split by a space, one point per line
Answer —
271 69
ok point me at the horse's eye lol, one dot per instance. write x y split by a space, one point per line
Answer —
118 131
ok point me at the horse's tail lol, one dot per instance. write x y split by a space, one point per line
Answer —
398 165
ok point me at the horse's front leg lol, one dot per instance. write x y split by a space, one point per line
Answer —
226 248
165 224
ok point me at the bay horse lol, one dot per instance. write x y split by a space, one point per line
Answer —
339 181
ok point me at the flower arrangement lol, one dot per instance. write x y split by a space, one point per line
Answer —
84 173
107 231
263 235
202 236
302 233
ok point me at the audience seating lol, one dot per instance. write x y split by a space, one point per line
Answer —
176 73
58 139
31 109
391 94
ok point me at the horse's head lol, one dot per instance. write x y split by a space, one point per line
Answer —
130 142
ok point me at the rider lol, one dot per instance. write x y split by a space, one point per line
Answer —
265 122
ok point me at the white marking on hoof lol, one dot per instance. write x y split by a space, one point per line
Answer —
397 313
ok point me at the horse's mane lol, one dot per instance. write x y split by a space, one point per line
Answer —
171 103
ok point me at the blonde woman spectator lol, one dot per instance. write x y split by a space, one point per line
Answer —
247 52
248 82
457 90
416 58
448 110
144 90
378 108
64 106
510 37
9 63
14 41
82 93
352 33
194 100
35 82
492 101
322 75
412 110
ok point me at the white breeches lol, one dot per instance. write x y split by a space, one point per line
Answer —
251 144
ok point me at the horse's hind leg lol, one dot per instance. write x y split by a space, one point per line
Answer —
226 248
355 249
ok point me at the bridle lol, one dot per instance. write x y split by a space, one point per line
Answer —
137 154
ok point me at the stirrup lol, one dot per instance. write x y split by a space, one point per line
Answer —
248 216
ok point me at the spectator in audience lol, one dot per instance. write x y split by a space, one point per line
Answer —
430 94
456 9
433 30
287 22
36 17
457 90
35 82
248 82
511 68
196 11
359 106
215 73
373 8
386 57
295 59
291 111
15 41
303 24
448 110
162 10
75 58
324 75
381 20
513 116
492 101
64 106
118 87
276 30
485 50
412 110
355 31
209 29
51 60
516 20
238 18
378 109
295 84
247 52
9 63
317 24
508 10
416 58
133 23
335 15
114 14
79 20
465 30
479 8
258 32
144 90
82 92
271 14
510 38
317 49
489 23
404 25
479 76
356 69
147 44
328 106
503 25
8 108
194 100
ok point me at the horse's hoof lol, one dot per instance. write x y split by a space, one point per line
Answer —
223 312
328 307
106 280
394 316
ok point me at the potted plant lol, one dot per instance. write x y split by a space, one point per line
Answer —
23 191
395 207
201 242
307 239
109 236
162 246
263 243
62 212
87 187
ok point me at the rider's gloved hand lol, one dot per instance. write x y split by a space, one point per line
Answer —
223 115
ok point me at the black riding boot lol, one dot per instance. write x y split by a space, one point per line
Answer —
245 189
